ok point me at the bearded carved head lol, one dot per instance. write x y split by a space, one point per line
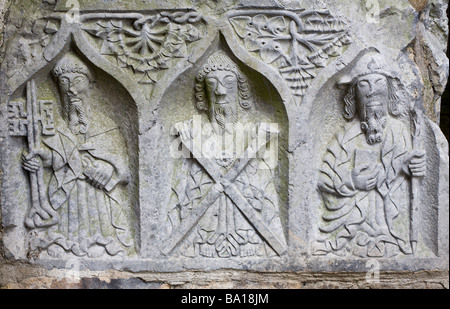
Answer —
371 95
74 82
221 89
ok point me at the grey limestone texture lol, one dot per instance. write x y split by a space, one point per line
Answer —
144 141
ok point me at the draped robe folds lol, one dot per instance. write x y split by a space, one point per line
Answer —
89 216
371 223
224 231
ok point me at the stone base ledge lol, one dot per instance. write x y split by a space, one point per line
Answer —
26 277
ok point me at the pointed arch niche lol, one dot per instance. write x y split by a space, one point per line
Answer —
110 96
178 104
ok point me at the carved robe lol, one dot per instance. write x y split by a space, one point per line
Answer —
89 216
223 231
370 223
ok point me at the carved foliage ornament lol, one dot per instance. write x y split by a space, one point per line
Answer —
31 44
296 44
144 43
149 44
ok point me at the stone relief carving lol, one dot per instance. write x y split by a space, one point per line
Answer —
144 45
372 169
227 195
31 45
33 119
96 184
83 209
147 44
294 43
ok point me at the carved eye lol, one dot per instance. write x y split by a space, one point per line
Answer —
229 80
363 84
64 80
79 80
211 81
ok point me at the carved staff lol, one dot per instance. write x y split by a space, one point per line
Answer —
416 126
41 214
35 198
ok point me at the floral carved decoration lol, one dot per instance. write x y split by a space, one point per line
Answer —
297 44
149 44
28 48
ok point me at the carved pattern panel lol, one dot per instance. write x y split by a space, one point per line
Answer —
146 44
296 44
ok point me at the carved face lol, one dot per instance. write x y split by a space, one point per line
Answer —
372 91
74 89
222 93
222 88
372 95
74 85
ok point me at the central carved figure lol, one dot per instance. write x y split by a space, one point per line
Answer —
225 203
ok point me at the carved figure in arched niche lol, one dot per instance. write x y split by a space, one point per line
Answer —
369 167
224 201
87 160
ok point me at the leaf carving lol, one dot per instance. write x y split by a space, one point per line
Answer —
276 25
150 44
295 46
240 24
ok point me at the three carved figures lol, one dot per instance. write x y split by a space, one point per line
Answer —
226 200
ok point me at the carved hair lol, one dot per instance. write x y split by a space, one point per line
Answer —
220 61
350 102
71 63
394 102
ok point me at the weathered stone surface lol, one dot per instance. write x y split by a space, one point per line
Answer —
143 140
228 279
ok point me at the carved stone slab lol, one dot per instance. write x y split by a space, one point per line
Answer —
263 135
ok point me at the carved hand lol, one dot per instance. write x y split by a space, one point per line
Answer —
365 182
415 163
30 161
185 130
100 175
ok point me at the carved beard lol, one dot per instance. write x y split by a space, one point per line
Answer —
224 114
77 116
374 124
